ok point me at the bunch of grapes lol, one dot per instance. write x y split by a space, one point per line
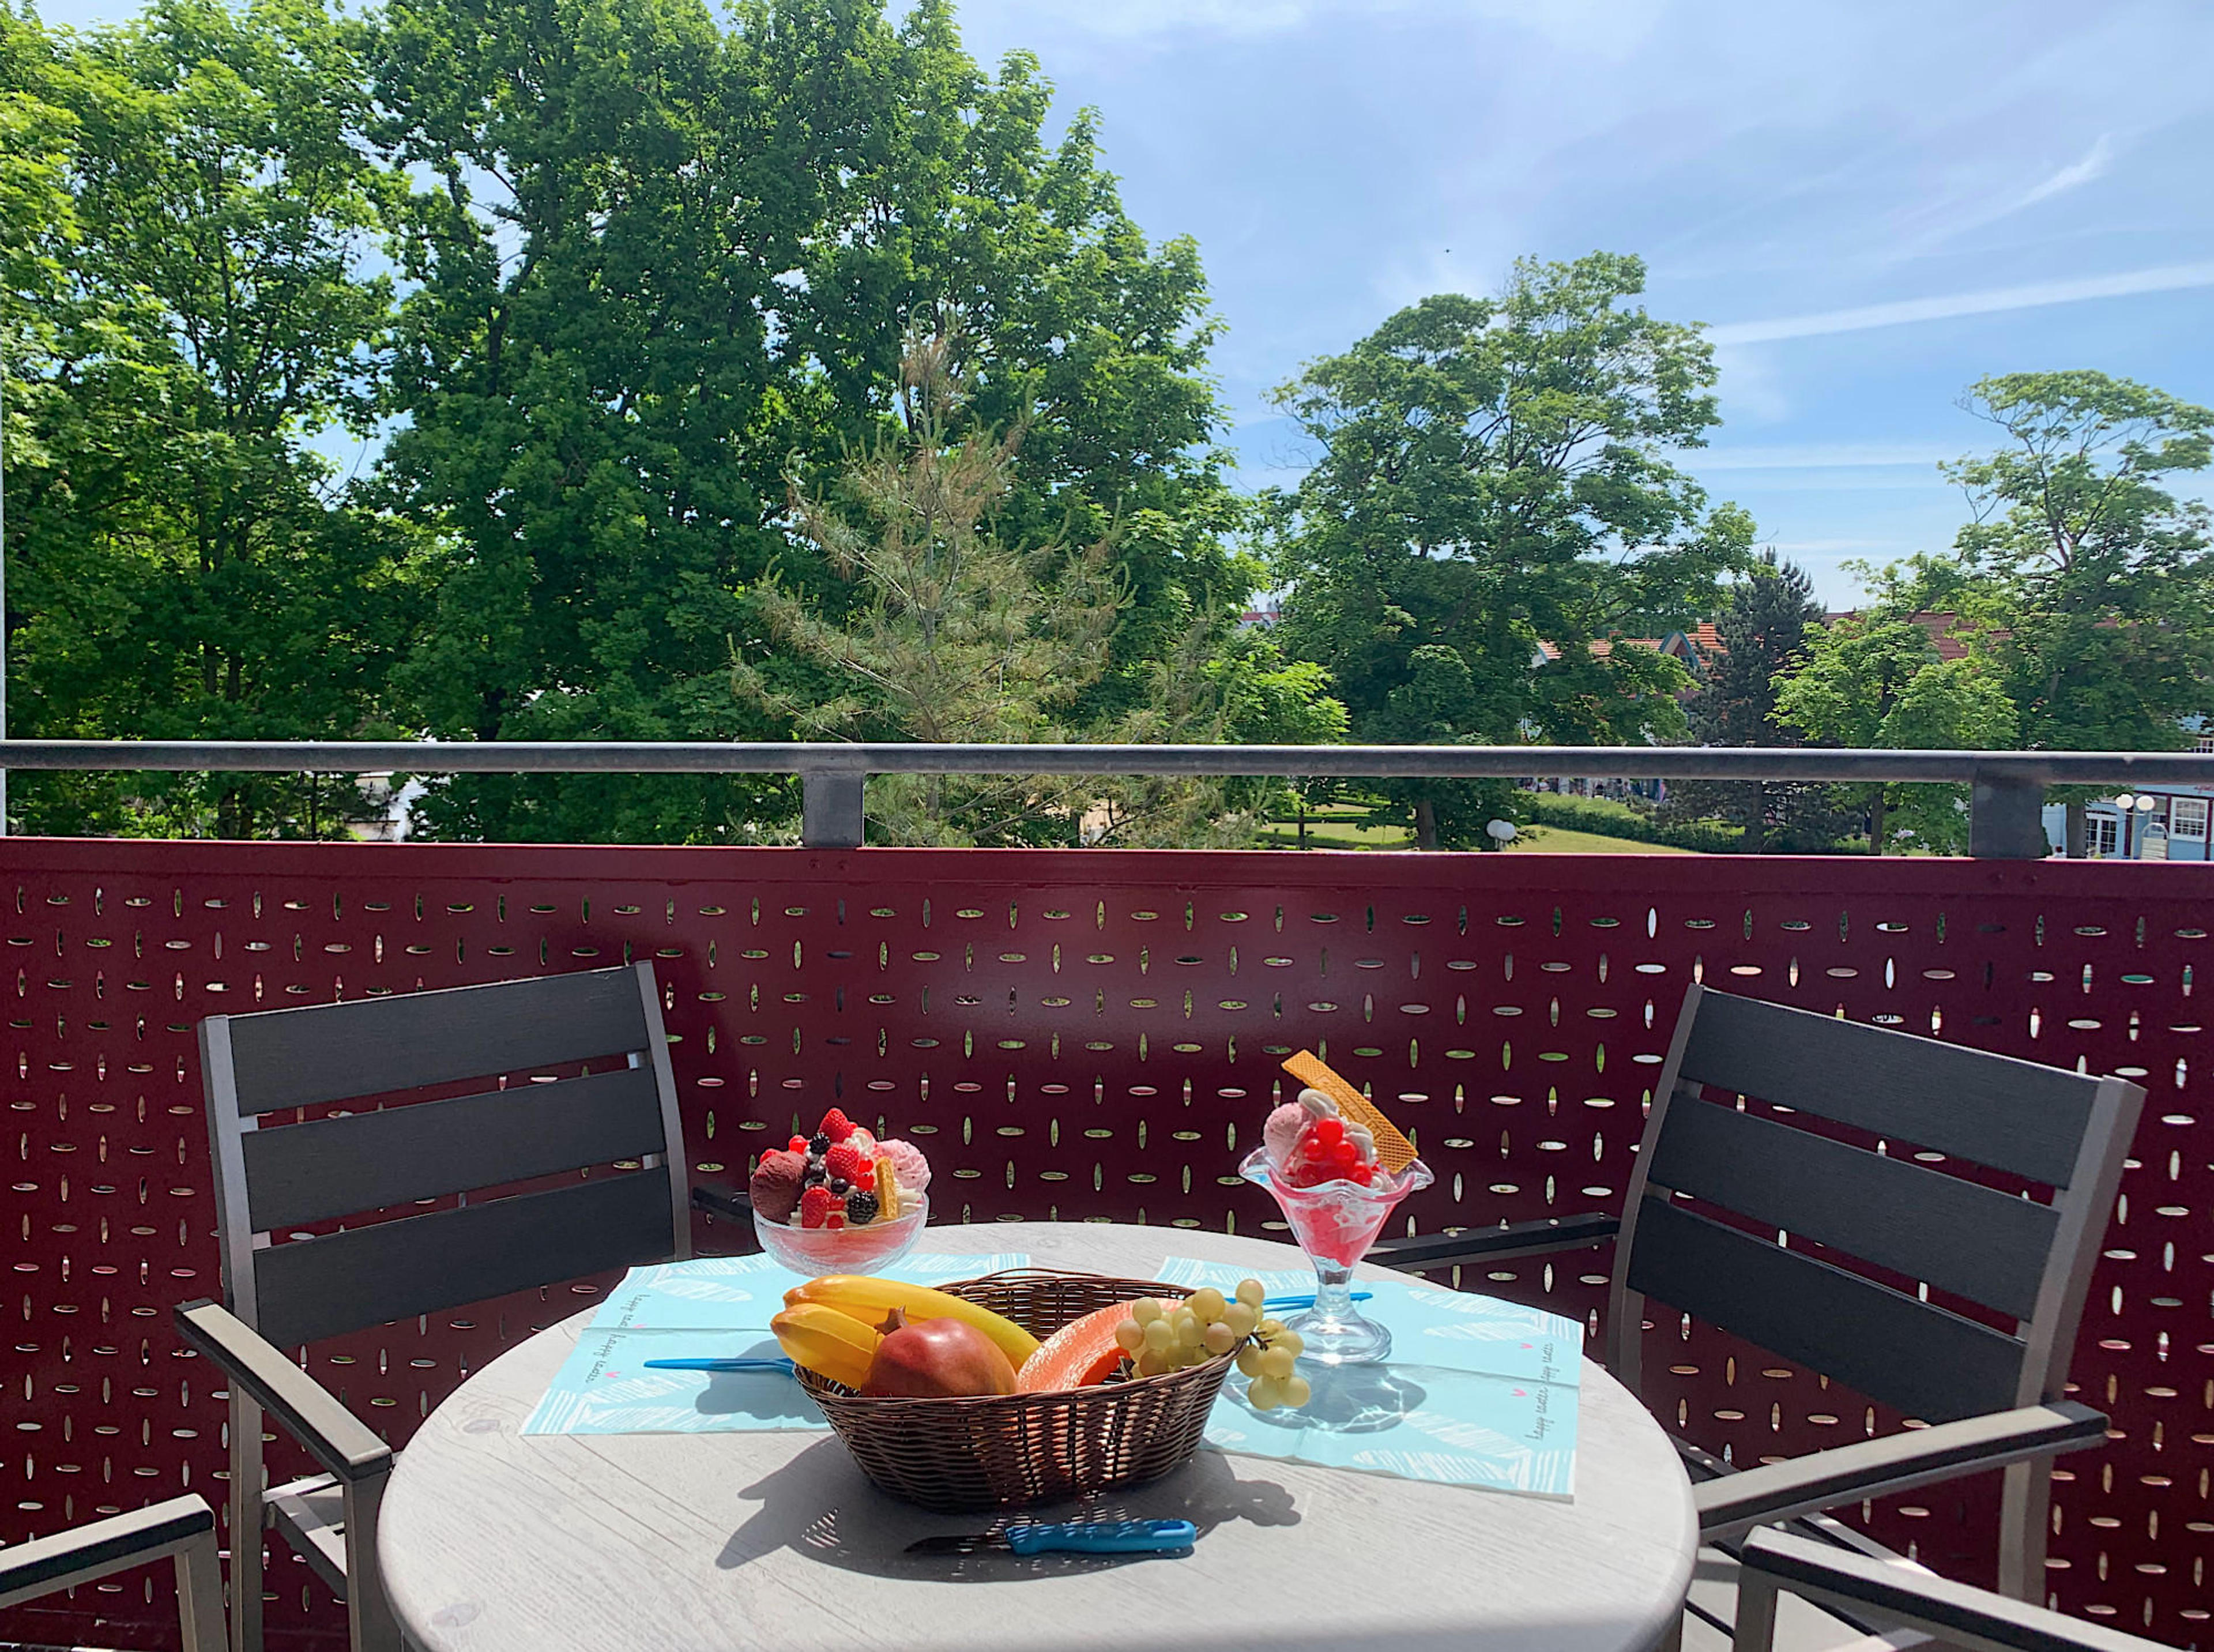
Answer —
1160 1337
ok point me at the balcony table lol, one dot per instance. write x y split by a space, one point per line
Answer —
494 1541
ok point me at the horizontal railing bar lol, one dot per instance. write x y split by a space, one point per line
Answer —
788 757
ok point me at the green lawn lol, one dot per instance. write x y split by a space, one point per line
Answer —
1325 832
1342 831
1560 840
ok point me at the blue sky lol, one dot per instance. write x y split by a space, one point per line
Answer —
1873 202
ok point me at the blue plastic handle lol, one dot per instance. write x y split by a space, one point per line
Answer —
1306 1300
770 1363
1106 1538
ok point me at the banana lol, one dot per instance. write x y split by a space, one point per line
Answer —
869 1298
828 1343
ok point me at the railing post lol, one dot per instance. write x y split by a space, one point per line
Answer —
830 808
2006 818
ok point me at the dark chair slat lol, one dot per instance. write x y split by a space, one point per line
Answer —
420 1264
329 1168
1929 1363
1975 1241
2009 1114
135 1537
330 1052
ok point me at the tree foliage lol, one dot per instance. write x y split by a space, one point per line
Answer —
2090 584
956 630
183 566
1492 498
1763 634
665 264
1881 682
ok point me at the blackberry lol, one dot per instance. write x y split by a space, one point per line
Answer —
818 1144
861 1207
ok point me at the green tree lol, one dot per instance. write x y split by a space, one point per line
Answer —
1763 633
955 630
37 228
1880 681
666 264
1492 498
2086 581
183 566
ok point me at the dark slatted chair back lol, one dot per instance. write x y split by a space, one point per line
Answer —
275 1178
2026 1260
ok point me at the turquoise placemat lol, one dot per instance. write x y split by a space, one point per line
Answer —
712 1307
722 1292
1477 1392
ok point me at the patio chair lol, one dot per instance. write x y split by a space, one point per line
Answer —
182 1529
271 1181
1955 1614
1993 1398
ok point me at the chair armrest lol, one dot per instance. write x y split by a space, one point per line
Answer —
1734 1504
1898 1592
334 1437
720 1201
69 1558
1521 1238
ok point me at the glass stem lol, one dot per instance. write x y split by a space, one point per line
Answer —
1333 1303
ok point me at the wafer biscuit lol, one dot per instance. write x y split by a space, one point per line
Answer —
1393 1151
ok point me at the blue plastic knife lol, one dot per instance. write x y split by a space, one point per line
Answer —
767 1362
1280 1303
1076 1538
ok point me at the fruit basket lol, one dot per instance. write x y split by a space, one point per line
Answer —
1015 1450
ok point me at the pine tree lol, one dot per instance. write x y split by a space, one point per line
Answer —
1763 632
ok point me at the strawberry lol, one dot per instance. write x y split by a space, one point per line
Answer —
815 1205
844 1162
836 1125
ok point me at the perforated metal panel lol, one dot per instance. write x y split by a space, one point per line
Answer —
1088 1035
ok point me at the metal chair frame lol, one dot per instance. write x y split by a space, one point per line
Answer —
182 1529
2013 1417
270 1182
1909 1597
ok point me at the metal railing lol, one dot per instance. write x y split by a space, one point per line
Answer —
2006 788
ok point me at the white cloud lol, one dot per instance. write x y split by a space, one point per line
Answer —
2093 166
2167 278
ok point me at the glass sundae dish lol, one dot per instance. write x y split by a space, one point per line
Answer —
1321 1164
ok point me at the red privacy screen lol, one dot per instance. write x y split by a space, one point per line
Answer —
1074 1034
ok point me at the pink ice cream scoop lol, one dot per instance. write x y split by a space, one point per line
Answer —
908 1163
1282 1132
775 1188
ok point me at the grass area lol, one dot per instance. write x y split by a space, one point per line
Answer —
1325 833
1560 840
1340 829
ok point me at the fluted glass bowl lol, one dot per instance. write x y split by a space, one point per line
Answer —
814 1251
1335 1223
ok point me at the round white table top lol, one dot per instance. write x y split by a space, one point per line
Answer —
495 1541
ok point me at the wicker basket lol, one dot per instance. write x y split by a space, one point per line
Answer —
1015 1450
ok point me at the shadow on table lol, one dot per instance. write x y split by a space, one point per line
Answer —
1345 1400
864 1530
771 1396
